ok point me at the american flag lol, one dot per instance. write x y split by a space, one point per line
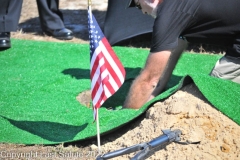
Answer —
106 72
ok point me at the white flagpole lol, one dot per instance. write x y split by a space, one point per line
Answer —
98 135
97 118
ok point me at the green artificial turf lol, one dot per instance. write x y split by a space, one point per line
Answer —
40 82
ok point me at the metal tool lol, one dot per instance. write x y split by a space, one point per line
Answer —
167 137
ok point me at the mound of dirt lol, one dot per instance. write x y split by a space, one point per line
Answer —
216 136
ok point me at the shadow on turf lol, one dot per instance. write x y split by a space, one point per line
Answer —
119 97
79 73
51 131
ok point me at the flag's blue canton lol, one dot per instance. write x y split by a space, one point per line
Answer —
95 33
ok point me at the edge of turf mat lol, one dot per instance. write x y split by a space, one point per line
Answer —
40 82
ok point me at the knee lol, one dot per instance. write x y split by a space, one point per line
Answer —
227 68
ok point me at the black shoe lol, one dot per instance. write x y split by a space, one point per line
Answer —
5 41
62 34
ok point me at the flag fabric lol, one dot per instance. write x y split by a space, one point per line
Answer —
106 71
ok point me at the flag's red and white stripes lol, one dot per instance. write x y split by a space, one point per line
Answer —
107 73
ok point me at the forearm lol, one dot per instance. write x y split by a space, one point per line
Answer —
168 69
139 93
144 85
154 77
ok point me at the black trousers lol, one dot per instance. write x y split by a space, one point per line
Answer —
49 14
10 11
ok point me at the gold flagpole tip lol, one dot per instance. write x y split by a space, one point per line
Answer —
89 2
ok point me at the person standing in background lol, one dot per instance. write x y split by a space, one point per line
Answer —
50 16
51 20
9 17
